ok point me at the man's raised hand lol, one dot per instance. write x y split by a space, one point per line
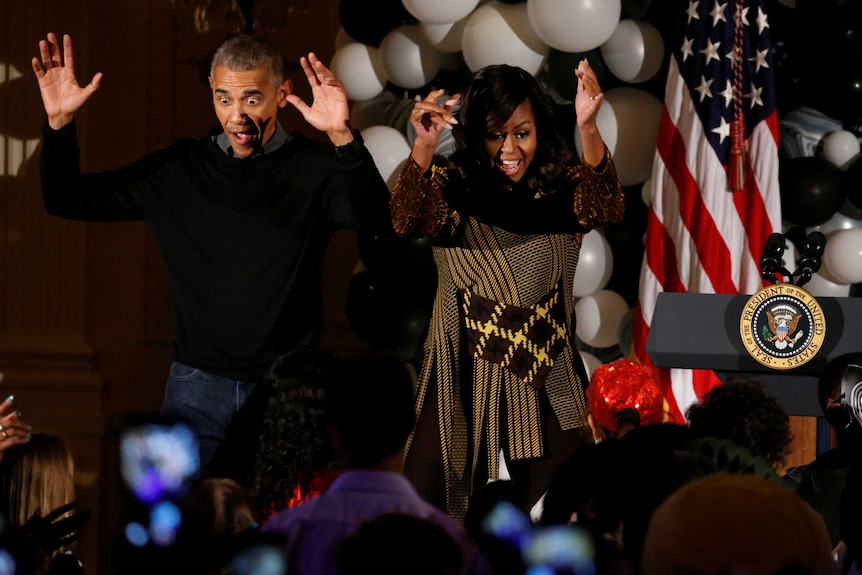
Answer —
329 111
62 96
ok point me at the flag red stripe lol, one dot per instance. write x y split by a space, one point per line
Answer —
703 380
661 255
751 206
711 249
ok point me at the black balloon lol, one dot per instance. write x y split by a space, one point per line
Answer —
788 56
406 326
365 299
795 235
626 242
390 255
370 24
559 73
853 182
827 48
854 124
812 190
850 96
635 9
389 316
829 9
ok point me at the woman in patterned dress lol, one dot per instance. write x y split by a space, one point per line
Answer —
506 214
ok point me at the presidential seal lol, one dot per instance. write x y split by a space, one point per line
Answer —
782 326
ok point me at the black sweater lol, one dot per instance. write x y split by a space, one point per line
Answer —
243 240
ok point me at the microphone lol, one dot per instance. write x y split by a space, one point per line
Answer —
811 257
770 260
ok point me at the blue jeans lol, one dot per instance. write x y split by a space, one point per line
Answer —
207 403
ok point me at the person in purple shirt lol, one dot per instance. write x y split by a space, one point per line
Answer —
368 404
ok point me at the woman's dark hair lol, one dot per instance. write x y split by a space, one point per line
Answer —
744 412
493 95
293 447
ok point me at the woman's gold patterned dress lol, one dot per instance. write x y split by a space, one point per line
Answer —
503 326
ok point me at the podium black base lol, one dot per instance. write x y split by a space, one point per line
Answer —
701 331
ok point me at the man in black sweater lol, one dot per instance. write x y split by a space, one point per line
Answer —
242 219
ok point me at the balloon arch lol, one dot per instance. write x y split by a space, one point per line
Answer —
404 48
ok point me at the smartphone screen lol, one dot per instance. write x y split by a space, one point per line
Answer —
159 463
544 550
559 550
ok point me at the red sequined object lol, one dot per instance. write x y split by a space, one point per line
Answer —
625 384
319 483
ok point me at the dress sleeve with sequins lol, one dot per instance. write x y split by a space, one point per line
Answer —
586 198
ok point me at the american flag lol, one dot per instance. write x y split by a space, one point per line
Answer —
713 191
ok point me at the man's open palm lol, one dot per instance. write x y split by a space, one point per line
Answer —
62 96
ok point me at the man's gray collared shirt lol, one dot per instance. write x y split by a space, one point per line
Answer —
278 139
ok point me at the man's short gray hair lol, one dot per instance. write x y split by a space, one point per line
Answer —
247 52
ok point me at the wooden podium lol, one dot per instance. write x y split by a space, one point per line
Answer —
701 331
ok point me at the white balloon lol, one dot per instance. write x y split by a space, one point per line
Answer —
591 362
445 37
375 111
599 316
635 51
842 256
387 146
840 147
574 25
819 286
646 191
360 69
837 222
595 264
628 121
439 11
497 33
410 61
802 129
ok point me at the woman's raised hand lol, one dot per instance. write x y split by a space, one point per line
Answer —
429 119
588 97
588 100
13 430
